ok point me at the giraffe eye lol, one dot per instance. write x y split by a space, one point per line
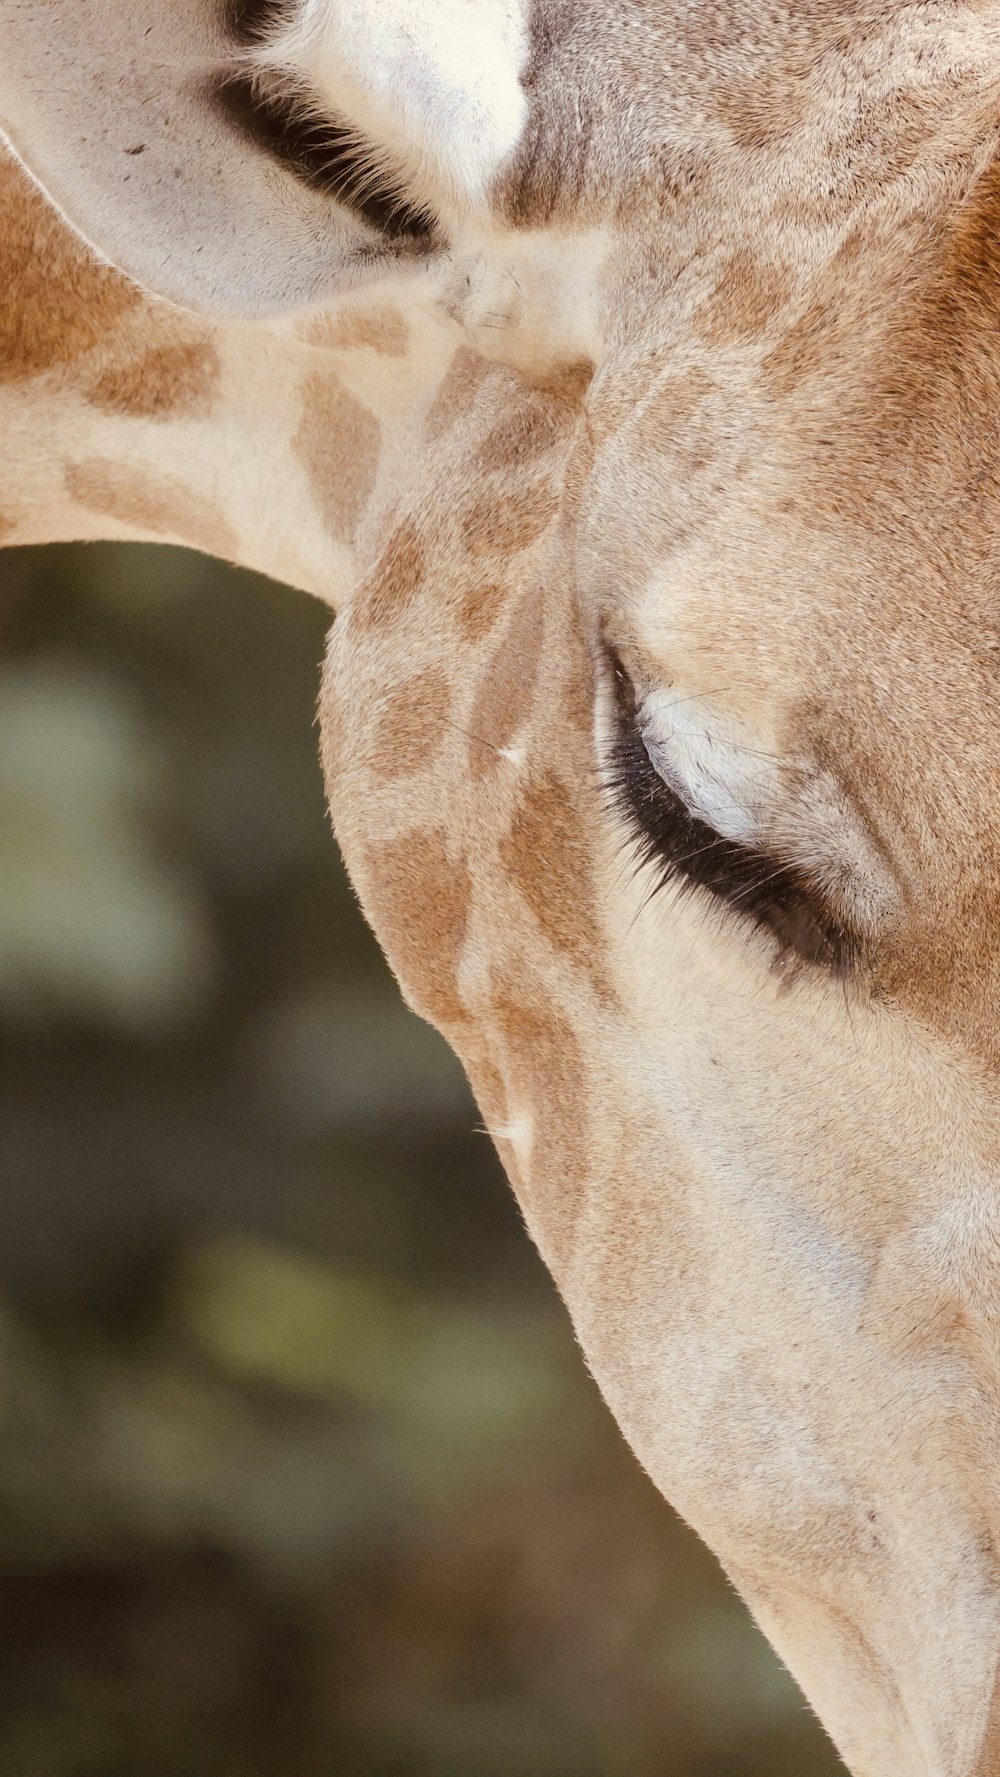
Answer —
684 848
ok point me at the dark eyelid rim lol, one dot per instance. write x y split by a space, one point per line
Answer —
754 885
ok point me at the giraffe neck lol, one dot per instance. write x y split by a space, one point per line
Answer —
285 447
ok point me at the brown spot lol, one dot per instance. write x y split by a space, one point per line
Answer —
565 385
550 176
487 1084
851 248
747 296
393 584
546 858
665 422
418 901
988 1763
812 346
945 344
545 1077
479 607
410 725
456 394
507 687
535 417
373 327
338 442
161 383
504 523
764 111
160 505
7 525
615 399
576 707
58 300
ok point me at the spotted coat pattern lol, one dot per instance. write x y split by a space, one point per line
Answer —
756 479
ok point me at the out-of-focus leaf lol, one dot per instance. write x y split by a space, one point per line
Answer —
462 1377
91 918
284 1319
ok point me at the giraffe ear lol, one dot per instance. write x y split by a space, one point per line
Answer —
205 178
430 86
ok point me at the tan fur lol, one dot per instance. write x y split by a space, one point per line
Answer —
711 378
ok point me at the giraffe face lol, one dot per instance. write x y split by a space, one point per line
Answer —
661 744
754 1132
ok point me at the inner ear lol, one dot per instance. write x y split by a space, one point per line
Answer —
217 193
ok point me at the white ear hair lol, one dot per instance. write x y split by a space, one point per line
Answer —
436 82
113 106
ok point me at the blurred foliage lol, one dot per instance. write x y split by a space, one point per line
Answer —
300 1470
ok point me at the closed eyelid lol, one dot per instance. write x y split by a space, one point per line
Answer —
685 848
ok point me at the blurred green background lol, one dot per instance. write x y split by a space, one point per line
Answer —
301 1472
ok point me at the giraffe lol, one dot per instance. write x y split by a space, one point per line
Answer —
626 375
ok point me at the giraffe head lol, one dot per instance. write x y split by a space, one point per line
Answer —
661 730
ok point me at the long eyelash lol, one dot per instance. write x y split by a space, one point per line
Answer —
681 849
